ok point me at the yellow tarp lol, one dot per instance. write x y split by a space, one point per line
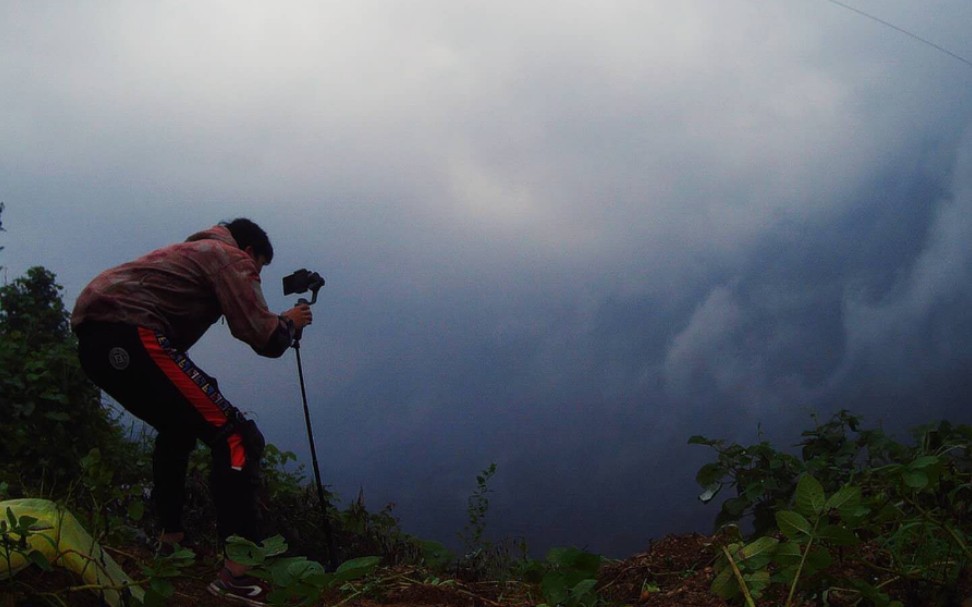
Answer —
65 543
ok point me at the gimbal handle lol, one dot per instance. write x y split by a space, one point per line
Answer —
313 297
299 331
302 281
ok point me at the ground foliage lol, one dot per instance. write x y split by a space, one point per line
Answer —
51 415
847 517
853 517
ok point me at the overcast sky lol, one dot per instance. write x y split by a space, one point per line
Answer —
558 236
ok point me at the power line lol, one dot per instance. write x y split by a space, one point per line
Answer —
903 31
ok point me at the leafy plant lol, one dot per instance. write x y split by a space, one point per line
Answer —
296 580
117 504
14 535
570 578
860 502
46 401
482 558
814 526
160 572
762 477
476 509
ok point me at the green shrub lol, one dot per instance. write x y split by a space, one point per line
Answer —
51 415
857 514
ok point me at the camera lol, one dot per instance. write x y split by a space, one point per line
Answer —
302 281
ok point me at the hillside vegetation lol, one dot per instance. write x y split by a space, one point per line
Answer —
848 517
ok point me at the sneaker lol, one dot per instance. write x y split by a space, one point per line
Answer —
245 589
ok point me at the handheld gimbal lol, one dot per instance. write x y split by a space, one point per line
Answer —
302 281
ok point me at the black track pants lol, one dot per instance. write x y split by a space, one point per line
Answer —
158 383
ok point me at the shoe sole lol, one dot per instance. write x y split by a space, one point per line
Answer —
229 596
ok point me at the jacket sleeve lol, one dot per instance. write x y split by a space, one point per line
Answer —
241 300
280 340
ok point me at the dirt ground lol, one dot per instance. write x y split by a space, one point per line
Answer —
675 571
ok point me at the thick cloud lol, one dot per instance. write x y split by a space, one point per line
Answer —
558 236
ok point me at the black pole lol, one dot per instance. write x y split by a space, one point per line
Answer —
325 522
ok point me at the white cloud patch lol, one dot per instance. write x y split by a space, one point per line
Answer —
940 276
693 125
723 353
704 347
532 215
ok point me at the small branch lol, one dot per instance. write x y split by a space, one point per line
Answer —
128 555
803 561
739 578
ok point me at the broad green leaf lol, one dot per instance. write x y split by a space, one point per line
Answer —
37 557
575 559
244 552
725 584
710 474
181 557
758 553
788 554
924 462
809 497
582 588
532 571
274 546
435 554
136 510
836 535
759 547
361 562
753 491
710 492
356 569
153 599
915 479
757 581
818 559
308 571
856 515
788 574
162 587
846 497
554 588
363 565
735 506
793 524
285 571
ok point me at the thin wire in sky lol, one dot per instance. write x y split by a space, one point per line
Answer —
903 31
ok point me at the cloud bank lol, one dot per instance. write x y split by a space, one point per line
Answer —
560 237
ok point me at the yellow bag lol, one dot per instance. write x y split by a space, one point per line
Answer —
65 543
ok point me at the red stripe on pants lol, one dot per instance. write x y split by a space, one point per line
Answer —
193 393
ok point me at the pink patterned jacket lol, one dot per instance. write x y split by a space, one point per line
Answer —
182 289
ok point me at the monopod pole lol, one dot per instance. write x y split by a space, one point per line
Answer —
325 522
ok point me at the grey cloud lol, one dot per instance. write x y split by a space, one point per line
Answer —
559 236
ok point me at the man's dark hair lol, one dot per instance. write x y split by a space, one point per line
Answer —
248 234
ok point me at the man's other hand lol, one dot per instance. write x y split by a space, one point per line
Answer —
300 315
